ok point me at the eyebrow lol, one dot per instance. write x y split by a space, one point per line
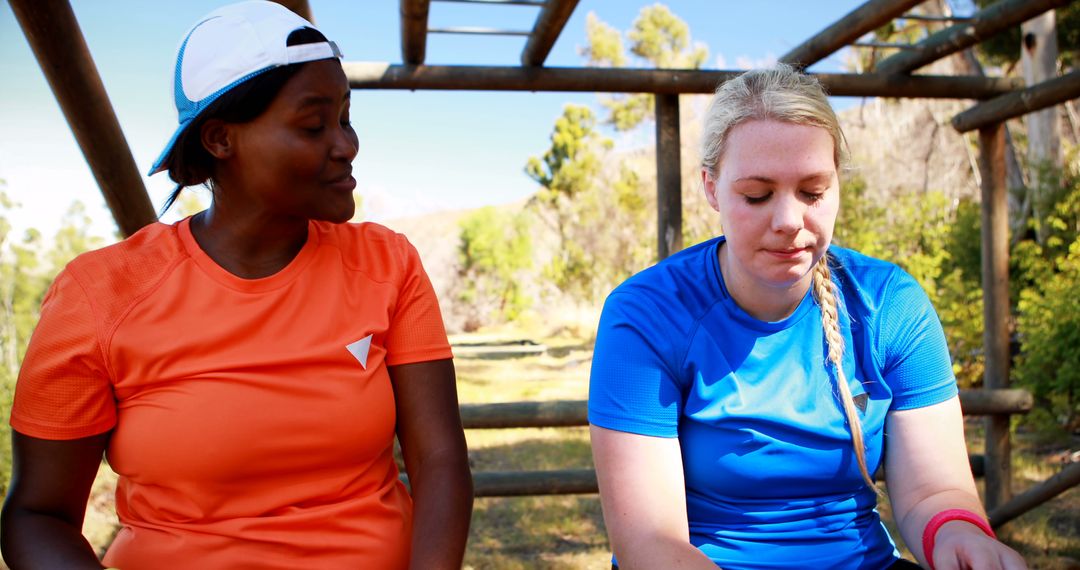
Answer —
317 100
823 175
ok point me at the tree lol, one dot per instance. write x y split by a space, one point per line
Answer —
567 175
657 37
493 251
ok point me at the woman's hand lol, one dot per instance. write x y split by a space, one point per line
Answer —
960 545
927 472
436 458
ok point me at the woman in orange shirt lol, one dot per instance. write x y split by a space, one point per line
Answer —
245 370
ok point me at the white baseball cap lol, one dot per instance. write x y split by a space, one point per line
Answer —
229 46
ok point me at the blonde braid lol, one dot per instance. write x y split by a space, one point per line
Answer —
830 323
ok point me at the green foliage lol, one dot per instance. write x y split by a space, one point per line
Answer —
937 245
570 165
24 279
493 250
658 38
1003 49
567 176
1048 323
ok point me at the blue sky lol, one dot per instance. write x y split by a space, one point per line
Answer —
419 151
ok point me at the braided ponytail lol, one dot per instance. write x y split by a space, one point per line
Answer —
830 323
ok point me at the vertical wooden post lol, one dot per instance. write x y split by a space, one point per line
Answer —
995 281
668 176
60 48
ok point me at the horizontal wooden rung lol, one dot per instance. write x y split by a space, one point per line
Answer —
569 413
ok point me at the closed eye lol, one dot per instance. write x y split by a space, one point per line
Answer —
757 199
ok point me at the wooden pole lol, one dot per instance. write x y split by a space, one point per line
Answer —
868 17
668 176
995 281
984 24
414 24
1063 481
1011 105
381 75
61 51
549 24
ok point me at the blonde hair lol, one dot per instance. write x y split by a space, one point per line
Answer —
783 94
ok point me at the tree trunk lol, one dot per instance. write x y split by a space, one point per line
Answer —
1038 59
965 63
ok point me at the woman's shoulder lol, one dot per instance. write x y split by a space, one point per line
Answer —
683 285
126 270
873 285
153 246
865 272
367 246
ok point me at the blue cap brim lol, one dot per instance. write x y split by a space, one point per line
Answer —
159 164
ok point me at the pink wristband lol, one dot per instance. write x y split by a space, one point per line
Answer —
946 516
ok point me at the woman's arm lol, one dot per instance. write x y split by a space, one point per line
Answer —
433 444
41 524
927 471
643 497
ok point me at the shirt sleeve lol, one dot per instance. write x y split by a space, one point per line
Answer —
64 390
915 355
416 333
633 387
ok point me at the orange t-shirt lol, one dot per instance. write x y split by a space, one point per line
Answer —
252 419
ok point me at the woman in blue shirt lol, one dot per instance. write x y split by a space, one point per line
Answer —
742 390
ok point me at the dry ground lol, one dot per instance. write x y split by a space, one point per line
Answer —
568 531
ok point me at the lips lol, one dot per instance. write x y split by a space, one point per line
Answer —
344 181
787 253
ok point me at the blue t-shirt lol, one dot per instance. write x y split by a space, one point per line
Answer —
771 478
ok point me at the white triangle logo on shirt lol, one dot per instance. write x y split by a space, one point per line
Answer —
359 350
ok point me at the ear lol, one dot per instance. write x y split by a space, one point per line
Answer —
708 183
217 138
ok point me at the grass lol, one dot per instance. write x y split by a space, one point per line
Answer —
568 531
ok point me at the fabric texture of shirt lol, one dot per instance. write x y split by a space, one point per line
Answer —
252 419
771 478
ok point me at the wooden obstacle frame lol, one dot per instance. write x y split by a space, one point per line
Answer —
58 44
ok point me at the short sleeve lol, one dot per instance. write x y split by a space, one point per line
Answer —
632 387
416 333
914 353
64 391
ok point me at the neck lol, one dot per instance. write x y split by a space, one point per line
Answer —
247 244
763 302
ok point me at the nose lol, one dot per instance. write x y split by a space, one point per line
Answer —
345 145
787 215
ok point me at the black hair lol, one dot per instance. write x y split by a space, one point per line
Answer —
189 163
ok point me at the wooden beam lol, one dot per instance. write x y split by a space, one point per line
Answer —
1017 103
549 24
61 51
995 283
559 413
668 176
530 483
992 402
380 75
868 17
1064 480
299 7
984 24
570 413
414 25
